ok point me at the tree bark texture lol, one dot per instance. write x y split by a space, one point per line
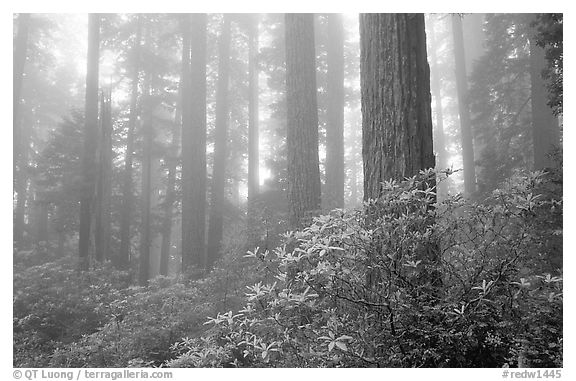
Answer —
396 110
463 107
335 113
302 118
90 140
193 88
216 222
125 215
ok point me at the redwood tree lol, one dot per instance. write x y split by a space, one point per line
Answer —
335 113
302 118
90 139
125 215
216 222
193 141
396 111
19 153
463 107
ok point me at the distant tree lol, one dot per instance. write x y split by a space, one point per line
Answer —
18 160
253 158
396 111
169 201
125 216
545 129
104 184
216 220
335 113
90 139
147 149
463 107
193 87
302 134
439 138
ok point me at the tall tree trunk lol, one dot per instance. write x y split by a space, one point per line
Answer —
104 185
335 113
253 136
253 133
463 107
145 230
216 223
125 216
172 159
473 34
19 163
439 139
302 118
194 142
545 128
90 140
396 111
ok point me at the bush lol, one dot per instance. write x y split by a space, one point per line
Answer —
406 282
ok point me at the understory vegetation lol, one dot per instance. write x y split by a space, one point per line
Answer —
403 281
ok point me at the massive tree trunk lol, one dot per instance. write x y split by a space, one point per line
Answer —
125 217
335 114
396 112
545 128
19 162
302 117
463 107
90 140
172 159
395 86
193 88
216 223
439 139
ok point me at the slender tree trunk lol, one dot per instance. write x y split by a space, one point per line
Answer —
170 194
145 230
302 112
253 135
335 114
125 217
19 163
463 107
104 185
439 139
216 223
90 139
545 128
396 112
253 159
194 142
